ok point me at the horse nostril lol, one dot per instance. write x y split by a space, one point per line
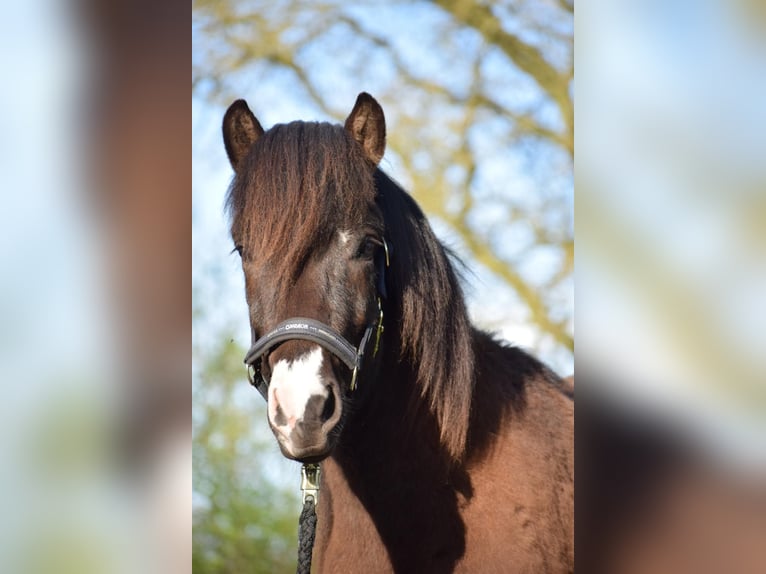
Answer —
329 408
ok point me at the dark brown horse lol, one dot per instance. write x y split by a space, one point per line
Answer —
443 449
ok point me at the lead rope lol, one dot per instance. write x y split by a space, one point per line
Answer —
310 477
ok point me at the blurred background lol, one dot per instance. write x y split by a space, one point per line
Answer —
671 214
96 218
480 124
671 276
95 227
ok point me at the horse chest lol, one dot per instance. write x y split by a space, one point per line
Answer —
447 531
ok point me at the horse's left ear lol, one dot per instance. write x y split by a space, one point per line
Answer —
367 125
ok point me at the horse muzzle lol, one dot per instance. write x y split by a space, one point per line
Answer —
303 394
304 403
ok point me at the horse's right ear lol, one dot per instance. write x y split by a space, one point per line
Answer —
241 129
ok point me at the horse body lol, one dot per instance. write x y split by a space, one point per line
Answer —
400 507
454 453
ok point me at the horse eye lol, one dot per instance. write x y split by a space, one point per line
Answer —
367 248
238 249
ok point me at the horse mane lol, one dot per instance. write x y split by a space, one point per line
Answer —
301 171
434 329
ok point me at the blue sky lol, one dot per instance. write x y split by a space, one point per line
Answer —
274 98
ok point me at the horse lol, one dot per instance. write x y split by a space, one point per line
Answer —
442 448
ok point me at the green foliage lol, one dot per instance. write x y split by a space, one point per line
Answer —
242 522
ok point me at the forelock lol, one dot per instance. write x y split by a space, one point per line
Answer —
300 183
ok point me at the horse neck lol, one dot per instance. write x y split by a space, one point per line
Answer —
391 472
393 433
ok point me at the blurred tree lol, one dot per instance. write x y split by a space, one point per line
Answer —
478 105
242 521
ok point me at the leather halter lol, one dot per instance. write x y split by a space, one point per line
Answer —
323 335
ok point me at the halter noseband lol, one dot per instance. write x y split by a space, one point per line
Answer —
321 334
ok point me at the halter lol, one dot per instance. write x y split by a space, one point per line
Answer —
323 335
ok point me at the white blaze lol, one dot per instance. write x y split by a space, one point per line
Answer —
344 236
293 383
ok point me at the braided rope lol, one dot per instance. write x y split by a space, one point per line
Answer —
306 534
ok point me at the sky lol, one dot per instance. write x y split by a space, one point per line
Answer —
277 100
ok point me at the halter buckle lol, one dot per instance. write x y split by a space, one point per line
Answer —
311 474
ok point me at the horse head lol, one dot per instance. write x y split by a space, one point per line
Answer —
311 237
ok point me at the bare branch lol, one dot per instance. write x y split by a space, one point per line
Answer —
487 257
526 57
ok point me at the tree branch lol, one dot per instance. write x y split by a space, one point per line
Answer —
527 58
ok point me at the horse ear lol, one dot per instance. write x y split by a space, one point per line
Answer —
241 129
367 125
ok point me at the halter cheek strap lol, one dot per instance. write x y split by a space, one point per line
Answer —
305 329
